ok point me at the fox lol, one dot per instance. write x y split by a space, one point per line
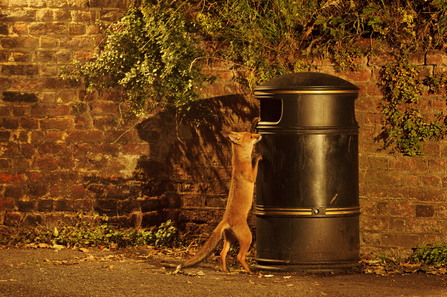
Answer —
233 225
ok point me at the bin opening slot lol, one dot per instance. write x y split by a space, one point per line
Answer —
271 110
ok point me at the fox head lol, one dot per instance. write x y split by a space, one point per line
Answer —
244 139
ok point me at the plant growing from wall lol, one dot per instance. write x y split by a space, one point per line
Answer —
404 126
152 53
149 54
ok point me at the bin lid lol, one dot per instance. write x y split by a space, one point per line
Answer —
307 82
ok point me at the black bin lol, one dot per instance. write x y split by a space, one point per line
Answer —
307 194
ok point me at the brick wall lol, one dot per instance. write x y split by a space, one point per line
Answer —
62 152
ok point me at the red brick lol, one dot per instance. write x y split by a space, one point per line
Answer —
431 181
85 136
54 135
76 29
47 28
10 178
34 176
19 42
83 204
53 149
10 124
78 190
83 55
435 57
6 204
29 123
13 192
401 209
13 219
26 83
56 124
20 111
46 163
45 205
104 108
50 110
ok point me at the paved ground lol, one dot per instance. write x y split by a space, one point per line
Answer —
143 272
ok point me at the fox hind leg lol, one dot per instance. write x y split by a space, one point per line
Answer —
229 239
244 236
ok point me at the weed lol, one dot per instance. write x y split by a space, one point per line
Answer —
94 232
430 254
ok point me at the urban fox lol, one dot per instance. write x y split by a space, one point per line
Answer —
234 222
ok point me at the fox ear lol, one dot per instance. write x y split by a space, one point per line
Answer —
232 136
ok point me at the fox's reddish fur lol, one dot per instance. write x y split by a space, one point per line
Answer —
240 198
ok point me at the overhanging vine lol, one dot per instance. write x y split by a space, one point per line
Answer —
151 52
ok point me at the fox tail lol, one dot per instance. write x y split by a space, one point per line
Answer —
207 248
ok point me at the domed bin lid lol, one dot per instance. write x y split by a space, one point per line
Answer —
306 82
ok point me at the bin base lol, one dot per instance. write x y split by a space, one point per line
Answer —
269 265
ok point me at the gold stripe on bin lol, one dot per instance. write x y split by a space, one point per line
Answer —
306 92
305 211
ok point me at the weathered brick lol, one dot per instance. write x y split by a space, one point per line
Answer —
45 205
106 205
46 163
19 42
50 110
85 136
58 124
76 29
63 205
402 209
20 70
59 83
17 15
6 204
3 31
13 191
19 97
38 189
425 211
4 136
44 15
435 57
83 204
53 149
11 178
401 240
108 3
47 28
9 123
21 111
27 205
21 57
62 15
83 55
79 190
13 219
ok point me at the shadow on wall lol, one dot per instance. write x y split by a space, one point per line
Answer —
188 167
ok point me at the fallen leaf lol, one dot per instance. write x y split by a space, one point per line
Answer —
84 250
268 275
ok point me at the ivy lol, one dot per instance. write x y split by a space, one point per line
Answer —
151 54
155 52
404 126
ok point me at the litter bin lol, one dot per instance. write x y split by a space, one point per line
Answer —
307 194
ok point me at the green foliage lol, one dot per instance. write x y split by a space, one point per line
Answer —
404 126
430 254
151 54
95 232
155 52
